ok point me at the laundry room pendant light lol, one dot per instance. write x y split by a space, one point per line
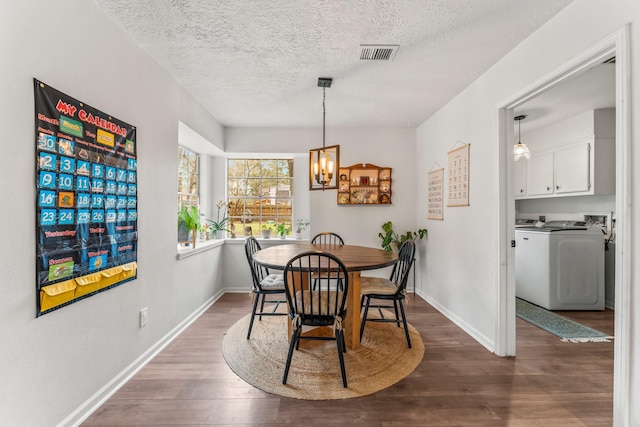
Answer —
520 150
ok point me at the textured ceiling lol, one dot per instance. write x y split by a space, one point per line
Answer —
256 63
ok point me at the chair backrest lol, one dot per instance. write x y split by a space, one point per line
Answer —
400 272
318 305
258 272
327 238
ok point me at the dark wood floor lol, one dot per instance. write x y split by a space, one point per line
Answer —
458 383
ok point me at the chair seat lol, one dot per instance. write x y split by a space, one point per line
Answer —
377 286
273 281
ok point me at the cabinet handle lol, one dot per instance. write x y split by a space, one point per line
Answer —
557 187
548 188
521 190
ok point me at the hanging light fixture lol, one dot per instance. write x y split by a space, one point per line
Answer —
323 162
520 150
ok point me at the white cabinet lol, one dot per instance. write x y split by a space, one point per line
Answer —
540 174
585 167
573 168
520 178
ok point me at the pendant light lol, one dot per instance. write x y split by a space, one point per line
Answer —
520 150
323 162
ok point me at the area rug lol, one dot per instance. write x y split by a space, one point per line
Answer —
382 360
567 329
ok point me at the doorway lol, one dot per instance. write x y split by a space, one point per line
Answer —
614 46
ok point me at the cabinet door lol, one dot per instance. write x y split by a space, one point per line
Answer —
520 178
540 174
572 168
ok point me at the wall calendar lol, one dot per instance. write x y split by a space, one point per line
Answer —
458 190
86 200
435 183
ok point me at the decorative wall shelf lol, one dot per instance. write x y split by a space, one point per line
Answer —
364 184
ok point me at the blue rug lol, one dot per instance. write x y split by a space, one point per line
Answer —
557 325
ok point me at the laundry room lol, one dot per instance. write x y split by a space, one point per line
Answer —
565 193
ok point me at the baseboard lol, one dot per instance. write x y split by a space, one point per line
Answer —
469 329
94 402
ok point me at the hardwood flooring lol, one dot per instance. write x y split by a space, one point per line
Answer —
458 383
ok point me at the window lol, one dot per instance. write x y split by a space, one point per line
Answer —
260 194
188 177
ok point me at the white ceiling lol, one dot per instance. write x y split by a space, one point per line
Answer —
594 88
255 63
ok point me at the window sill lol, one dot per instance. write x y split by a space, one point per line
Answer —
186 252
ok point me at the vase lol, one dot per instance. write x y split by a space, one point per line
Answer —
266 234
220 234
298 235
183 233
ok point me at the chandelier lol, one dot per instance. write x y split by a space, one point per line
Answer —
323 162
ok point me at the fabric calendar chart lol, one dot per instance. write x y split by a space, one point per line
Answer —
87 200
458 189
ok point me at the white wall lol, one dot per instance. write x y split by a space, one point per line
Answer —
463 270
50 365
358 225
383 147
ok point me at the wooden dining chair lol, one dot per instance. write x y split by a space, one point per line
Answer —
264 285
389 290
322 306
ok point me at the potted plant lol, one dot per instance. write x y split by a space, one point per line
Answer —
266 231
219 226
282 230
189 220
392 240
301 225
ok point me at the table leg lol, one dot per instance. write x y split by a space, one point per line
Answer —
351 325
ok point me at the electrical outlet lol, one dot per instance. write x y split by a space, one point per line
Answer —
144 317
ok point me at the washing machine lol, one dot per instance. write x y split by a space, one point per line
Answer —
560 265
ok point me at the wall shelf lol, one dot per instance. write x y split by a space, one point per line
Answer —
364 184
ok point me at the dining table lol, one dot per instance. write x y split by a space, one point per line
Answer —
355 258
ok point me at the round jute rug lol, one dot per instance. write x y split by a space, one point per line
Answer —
382 360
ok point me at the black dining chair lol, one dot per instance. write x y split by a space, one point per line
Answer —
264 285
389 290
323 306
326 239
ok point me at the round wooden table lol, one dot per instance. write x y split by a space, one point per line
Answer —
355 258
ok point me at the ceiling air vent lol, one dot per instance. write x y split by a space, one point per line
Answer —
377 52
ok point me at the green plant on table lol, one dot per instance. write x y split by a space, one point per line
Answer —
392 240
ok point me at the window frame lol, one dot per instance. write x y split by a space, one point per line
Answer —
280 206
190 197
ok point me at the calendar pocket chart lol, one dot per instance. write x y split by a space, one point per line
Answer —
86 200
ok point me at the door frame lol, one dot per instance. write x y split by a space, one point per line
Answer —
615 44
